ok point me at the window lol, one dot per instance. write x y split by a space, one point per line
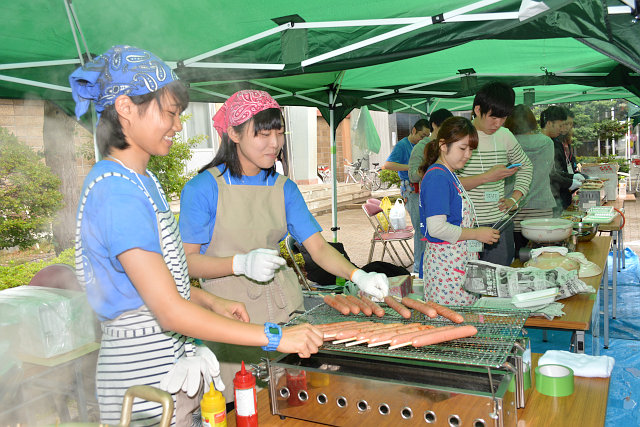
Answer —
200 123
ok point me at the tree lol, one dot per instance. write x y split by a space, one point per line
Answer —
29 193
60 156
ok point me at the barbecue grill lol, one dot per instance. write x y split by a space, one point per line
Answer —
477 381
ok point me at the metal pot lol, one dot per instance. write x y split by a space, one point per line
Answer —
585 231
546 230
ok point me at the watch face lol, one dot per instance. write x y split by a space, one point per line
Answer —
273 330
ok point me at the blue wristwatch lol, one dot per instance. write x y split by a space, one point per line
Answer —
274 335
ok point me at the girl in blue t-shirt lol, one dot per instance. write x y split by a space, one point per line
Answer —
234 213
130 258
447 214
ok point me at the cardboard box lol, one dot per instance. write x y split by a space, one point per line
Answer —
608 172
47 322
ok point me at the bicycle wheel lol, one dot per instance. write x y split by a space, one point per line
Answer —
365 181
375 181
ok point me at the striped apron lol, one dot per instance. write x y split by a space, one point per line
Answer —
135 350
250 217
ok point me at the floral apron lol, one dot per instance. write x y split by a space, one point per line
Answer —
445 264
135 350
250 217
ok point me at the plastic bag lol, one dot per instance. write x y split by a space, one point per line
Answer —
385 205
397 216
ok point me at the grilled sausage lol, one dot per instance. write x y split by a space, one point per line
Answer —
407 338
333 303
353 331
377 310
399 308
368 311
455 317
353 308
439 335
420 306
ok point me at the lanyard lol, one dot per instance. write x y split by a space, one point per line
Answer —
495 151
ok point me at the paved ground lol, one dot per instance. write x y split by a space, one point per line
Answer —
355 231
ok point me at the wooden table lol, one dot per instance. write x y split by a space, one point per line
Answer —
582 310
586 407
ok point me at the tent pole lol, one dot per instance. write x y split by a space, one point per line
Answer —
334 169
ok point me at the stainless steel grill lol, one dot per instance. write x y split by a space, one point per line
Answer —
490 347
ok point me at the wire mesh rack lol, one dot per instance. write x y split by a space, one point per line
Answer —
498 330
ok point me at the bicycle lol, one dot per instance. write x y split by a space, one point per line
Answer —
324 173
358 176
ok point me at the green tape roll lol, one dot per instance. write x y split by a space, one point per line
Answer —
554 380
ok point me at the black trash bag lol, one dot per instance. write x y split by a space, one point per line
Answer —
315 273
391 270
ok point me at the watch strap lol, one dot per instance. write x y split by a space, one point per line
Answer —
273 337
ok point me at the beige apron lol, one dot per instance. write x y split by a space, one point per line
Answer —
250 217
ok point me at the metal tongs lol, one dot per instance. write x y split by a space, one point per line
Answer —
509 214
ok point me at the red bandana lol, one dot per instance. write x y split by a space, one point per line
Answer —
240 107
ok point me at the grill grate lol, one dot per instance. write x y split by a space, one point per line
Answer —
490 347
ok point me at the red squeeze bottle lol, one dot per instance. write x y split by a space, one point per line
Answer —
246 400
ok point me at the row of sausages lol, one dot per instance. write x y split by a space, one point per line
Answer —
396 335
350 304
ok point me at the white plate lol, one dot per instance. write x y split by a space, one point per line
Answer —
535 298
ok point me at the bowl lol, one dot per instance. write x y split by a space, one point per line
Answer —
585 231
546 230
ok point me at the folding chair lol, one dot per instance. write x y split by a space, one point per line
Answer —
377 202
387 237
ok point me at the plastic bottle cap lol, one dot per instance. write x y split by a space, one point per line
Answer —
244 378
212 401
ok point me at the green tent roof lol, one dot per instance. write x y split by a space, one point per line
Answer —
395 57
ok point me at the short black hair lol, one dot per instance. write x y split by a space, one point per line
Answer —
496 98
438 117
570 113
109 134
551 114
421 124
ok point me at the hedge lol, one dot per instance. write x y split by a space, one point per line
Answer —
15 275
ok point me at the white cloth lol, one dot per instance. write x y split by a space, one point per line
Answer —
575 184
553 249
583 365
587 268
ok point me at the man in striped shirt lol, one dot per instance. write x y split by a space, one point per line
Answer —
483 175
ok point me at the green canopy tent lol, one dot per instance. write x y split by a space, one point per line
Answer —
416 56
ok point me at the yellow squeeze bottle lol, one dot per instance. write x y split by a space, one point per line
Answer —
213 408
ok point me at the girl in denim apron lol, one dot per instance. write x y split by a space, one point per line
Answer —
130 258
447 214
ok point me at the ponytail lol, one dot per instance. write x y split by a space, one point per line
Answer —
431 154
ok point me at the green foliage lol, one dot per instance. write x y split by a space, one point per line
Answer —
29 193
21 274
623 163
390 176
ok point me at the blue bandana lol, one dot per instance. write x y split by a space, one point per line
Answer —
122 70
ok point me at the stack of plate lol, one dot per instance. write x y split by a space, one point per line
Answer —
600 215
535 298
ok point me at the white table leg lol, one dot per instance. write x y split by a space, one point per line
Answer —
614 272
605 289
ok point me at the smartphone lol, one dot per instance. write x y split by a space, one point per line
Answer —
515 165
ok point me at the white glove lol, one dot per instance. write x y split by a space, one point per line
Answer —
184 375
579 177
575 185
374 284
210 368
259 264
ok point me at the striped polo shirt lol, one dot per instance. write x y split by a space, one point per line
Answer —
499 148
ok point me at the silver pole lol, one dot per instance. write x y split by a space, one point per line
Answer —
334 169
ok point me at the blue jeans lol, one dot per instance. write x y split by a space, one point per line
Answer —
418 243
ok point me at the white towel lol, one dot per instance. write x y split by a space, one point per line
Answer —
583 365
